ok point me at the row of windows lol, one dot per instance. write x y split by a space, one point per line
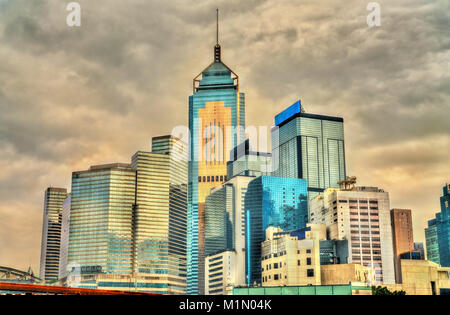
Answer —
212 179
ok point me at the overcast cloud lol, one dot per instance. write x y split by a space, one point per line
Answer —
75 97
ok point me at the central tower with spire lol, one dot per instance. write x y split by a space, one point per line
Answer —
217 124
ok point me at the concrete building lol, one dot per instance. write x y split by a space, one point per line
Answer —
51 233
402 236
223 271
345 273
292 258
360 215
423 277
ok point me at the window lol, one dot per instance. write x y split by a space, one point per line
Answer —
308 251
308 261
298 262
275 266
275 277
310 273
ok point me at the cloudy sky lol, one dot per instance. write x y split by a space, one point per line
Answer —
75 97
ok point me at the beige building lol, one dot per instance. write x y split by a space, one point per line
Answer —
345 273
288 261
360 215
423 277
221 272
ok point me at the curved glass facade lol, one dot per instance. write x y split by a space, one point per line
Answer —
272 201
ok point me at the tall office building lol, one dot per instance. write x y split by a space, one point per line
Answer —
51 233
360 215
443 227
64 248
160 215
432 243
101 212
309 146
225 234
271 202
402 236
128 222
216 111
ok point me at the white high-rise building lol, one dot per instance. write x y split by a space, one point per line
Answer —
232 240
360 215
51 233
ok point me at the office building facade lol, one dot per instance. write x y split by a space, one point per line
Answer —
101 212
431 241
309 146
160 215
216 121
128 222
360 215
64 248
271 201
225 227
402 236
51 233
443 227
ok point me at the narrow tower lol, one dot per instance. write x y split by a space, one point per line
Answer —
216 123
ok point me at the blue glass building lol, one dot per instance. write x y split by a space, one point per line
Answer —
443 228
432 242
216 116
309 146
272 201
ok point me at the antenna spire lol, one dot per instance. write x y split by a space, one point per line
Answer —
217 49
217 27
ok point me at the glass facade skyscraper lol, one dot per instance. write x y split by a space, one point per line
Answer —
432 242
443 228
51 233
309 146
216 111
128 222
159 229
101 229
272 201
219 220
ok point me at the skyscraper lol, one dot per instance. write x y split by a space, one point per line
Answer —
128 222
225 233
101 227
51 233
402 236
432 243
309 146
159 229
271 202
216 116
443 227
